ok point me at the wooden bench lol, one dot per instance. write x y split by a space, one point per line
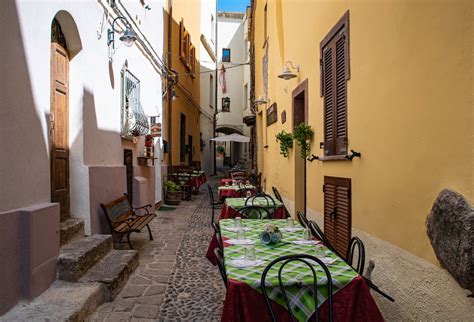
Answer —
123 219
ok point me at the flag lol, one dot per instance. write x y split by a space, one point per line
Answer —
222 79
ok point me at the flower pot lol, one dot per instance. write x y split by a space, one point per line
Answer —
173 197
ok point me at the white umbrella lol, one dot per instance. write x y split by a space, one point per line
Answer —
232 138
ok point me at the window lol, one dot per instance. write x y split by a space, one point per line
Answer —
246 96
337 212
334 75
133 118
213 28
211 91
226 55
192 60
182 138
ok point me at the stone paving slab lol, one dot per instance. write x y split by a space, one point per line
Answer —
174 281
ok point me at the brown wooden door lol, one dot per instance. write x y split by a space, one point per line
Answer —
59 128
337 212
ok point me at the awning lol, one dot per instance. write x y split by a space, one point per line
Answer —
232 138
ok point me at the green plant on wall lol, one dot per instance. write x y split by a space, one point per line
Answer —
286 142
303 134
220 149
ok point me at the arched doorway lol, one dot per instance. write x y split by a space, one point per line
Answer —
59 121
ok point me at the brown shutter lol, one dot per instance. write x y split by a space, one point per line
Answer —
328 85
337 212
334 75
340 94
181 38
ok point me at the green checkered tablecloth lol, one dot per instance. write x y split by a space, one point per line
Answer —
236 187
297 277
238 203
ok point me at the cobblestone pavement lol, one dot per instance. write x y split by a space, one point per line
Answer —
174 281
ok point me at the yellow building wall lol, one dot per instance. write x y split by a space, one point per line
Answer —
410 107
190 12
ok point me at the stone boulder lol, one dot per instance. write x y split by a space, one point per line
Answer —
450 227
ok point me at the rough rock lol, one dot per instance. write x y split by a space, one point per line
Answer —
450 227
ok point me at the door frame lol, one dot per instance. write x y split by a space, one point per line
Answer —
301 89
58 44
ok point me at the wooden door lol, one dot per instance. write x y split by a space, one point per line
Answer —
337 212
128 162
59 128
190 150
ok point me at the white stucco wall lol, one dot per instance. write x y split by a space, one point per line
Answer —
232 35
94 97
208 9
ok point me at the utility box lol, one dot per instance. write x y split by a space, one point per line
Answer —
140 193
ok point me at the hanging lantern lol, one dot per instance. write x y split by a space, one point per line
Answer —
225 104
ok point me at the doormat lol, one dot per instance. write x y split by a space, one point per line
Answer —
166 208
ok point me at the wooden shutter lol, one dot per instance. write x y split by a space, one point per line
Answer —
192 58
337 212
181 39
334 76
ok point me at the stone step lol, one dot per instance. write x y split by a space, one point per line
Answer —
70 230
78 256
113 271
63 301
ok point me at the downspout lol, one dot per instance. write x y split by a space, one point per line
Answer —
169 83
215 96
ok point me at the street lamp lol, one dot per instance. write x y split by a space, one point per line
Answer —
128 37
286 74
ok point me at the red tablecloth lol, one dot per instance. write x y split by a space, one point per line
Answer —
223 181
351 303
229 212
229 193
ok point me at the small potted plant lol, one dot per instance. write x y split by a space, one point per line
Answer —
173 193
271 235
303 134
286 142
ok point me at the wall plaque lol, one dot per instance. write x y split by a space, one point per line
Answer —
272 115
283 117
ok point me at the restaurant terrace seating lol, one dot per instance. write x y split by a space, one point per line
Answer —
261 199
356 243
253 212
220 264
306 266
302 218
279 198
243 192
214 204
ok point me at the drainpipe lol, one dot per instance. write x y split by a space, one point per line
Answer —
215 96
169 83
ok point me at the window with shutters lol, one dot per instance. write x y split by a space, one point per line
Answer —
337 212
334 75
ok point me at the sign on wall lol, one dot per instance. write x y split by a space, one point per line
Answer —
283 117
155 126
272 116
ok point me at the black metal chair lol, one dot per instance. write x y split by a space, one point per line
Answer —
219 253
214 204
270 202
217 231
356 243
319 234
253 212
302 219
303 258
280 199
243 192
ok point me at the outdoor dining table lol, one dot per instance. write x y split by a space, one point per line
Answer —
226 180
231 190
244 301
231 206
196 178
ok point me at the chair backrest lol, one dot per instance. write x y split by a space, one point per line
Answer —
258 198
277 194
356 243
302 219
243 192
220 263
238 175
253 212
307 261
211 195
117 210
317 232
217 231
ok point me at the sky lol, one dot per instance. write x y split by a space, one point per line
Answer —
232 5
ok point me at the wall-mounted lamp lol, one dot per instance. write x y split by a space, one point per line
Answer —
128 37
286 74
260 100
174 96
